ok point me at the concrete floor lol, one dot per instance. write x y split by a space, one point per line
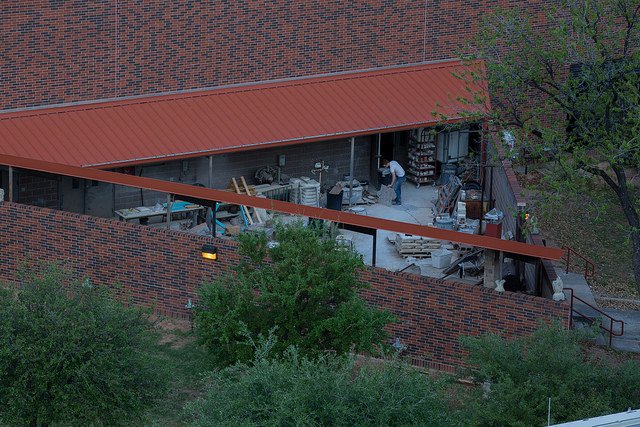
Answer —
417 208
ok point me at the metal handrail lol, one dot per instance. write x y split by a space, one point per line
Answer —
591 320
589 266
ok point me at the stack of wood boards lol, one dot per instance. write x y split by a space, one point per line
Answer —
416 246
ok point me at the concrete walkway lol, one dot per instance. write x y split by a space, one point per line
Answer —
630 341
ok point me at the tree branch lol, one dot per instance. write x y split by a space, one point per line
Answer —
631 21
604 175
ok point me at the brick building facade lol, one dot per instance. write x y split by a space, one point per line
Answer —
65 51
162 269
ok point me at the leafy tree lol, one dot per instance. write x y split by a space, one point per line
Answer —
305 286
571 93
329 390
71 355
551 363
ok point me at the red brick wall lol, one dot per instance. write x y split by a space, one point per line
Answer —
63 51
434 314
163 268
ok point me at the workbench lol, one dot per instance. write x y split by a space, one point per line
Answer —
143 213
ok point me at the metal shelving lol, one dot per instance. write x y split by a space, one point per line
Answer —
422 157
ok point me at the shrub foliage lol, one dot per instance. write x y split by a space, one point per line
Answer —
71 355
305 287
524 373
328 390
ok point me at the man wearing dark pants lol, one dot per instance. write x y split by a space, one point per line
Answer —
397 178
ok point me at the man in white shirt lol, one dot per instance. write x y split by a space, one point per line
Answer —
397 178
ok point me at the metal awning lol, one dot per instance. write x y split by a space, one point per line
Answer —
243 117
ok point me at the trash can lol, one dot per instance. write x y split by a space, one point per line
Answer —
334 201
493 223
384 177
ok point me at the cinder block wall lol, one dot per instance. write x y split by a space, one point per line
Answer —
161 268
37 190
64 51
299 160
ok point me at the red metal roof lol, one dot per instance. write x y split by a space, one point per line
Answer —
285 207
156 128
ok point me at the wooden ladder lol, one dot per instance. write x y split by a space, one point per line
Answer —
245 190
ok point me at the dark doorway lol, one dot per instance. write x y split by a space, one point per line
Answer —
387 146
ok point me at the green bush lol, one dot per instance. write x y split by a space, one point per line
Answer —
306 287
524 373
330 390
71 355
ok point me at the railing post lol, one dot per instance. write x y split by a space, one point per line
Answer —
571 310
610 331
586 269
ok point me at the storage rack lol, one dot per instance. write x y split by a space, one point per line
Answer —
422 158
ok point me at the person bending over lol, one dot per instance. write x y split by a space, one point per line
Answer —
397 178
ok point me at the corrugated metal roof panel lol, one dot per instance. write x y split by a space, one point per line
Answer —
231 119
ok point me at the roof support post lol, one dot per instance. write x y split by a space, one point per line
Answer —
353 141
492 267
375 244
10 183
169 211
210 171
378 148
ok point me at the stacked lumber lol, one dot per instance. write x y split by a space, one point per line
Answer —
416 246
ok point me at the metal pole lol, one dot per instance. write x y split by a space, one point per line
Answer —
491 189
169 211
10 184
378 150
549 413
482 198
214 219
210 171
353 141
375 244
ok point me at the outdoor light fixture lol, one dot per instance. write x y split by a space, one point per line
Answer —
209 251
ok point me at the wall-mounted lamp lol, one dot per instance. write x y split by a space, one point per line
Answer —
209 251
